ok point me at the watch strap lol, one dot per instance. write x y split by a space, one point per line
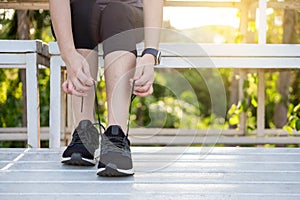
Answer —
153 52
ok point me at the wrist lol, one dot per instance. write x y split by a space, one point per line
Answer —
156 54
68 55
149 57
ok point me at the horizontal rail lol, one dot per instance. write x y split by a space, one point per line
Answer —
172 137
212 140
213 50
21 46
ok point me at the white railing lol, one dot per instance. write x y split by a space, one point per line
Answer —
247 58
28 55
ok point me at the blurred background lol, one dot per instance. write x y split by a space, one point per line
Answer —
200 21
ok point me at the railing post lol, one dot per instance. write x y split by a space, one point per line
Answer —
261 103
262 39
33 109
242 78
55 98
262 28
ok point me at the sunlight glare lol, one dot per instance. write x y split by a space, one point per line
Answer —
184 18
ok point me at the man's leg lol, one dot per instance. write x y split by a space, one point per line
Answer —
85 137
119 46
119 69
115 156
85 111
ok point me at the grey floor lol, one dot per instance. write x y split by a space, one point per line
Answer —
161 173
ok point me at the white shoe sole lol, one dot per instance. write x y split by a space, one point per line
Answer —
112 171
77 159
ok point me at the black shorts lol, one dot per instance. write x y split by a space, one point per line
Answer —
119 26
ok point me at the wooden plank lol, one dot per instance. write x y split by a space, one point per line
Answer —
20 46
262 26
180 140
151 196
55 104
243 117
230 173
21 137
141 189
157 177
166 140
181 132
12 59
169 150
33 106
230 62
214 50
180 157
260 122
277 132
174 166
21 130
178 150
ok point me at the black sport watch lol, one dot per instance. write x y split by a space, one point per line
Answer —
153 52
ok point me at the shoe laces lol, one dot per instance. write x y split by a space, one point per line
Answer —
116 145
77 139
132 97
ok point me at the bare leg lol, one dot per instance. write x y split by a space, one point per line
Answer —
119 68
88 101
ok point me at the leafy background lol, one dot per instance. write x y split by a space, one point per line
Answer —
165 108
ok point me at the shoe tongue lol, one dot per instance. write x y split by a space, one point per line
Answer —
114 130
84 124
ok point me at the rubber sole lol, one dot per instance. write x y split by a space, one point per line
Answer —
78 160
111 170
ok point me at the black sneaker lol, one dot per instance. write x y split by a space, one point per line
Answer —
115 155
85 141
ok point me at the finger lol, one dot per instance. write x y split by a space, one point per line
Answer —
84 79
68 87
72 90
144 94
144 80
146 76
65 87
79 94
79 85
143 88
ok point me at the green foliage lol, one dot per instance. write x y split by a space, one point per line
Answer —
234 114
11 103
10 99
8 27
172 105
294 118
180 100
